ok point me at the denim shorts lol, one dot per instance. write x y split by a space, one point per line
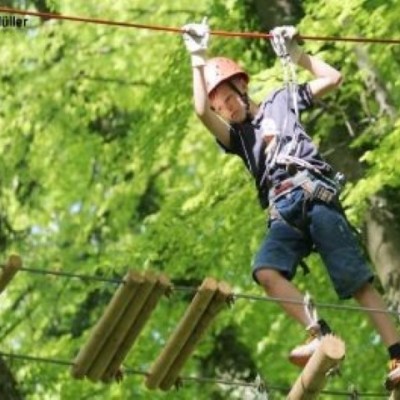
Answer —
327 229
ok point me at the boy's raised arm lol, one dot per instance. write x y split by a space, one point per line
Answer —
196 38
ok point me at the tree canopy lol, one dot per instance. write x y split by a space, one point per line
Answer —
104 167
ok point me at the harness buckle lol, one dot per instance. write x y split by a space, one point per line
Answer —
320 192
314 187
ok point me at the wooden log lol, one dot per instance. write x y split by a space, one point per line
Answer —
182 332
105 325
162 287
14 263
218 303
121 328
329 354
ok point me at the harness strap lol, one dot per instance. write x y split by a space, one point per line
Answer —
314 187
319 191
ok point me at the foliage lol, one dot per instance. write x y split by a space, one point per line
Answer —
105 167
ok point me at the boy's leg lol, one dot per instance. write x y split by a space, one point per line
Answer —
351 276
368 297
276 285
275 265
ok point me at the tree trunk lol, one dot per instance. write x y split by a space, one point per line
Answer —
382 231
383 238
8 385
278 12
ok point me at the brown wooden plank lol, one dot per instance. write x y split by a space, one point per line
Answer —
106 324
218 303
182 332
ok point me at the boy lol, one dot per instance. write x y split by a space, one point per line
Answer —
291 178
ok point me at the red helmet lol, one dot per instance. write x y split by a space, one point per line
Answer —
220 69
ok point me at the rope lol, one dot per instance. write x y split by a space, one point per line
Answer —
310 310
283 152
250 35
198 379
193 289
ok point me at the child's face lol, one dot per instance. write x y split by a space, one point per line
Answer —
227 103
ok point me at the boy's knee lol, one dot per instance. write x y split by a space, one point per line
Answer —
365 291
268 278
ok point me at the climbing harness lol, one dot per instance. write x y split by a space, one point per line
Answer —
315 189
325 189
289 155
277 152
316 185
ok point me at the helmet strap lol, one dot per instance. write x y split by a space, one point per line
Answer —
244 97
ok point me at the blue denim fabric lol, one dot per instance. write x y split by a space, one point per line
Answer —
284 245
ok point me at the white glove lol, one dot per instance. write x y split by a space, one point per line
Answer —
284 42
196 38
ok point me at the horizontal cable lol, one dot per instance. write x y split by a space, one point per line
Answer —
193 289
250 35
320 305
198 379
299 302
71 275
26 357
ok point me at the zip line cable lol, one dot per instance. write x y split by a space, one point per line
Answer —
198 379
250 35
193 289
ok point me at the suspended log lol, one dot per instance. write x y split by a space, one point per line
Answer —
182 332
116 337
218 303
328 355
119 326
106 324
14 263
163 286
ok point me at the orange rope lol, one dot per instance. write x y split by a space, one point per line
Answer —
252 35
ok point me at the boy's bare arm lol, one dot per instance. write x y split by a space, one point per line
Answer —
284 42
217 126
196 38
326 79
